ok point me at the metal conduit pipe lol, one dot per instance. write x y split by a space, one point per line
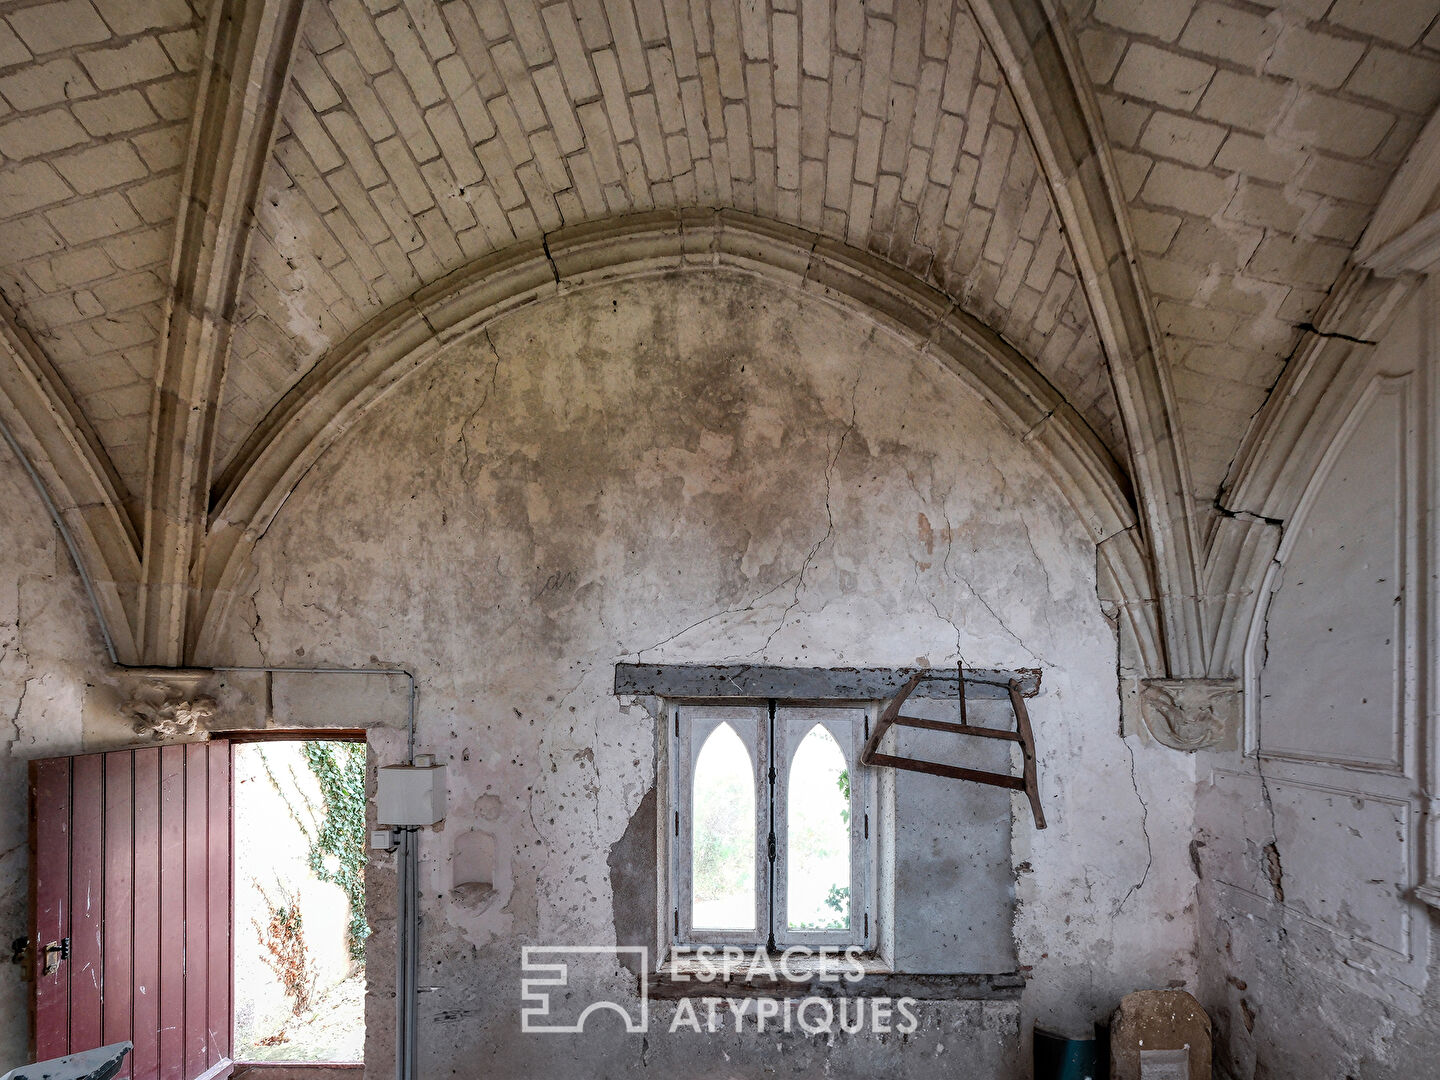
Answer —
406 1053
402 920
407 935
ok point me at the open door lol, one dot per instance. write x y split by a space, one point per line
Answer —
130 909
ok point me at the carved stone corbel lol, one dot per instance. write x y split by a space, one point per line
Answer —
1192 714
169 707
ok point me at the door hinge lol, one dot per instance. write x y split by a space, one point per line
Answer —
677 921
867 926
677 822
867 826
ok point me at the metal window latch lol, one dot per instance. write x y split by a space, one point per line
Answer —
54 953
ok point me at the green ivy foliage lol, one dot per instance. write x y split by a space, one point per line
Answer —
337 850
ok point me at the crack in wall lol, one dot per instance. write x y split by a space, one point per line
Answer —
1334 335
749 605
1039 562
932 336
959 651
829 523
956 578
484 400
19 707
254 627
23 655
1245 515
1144 828
1030 433
549 258
1271 867
998 620
944 562
810 257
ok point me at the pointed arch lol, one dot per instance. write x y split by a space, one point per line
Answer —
356 375
59 449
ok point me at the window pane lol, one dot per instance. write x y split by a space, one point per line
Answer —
723 843
818 864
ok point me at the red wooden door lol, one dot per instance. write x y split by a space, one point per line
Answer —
130 871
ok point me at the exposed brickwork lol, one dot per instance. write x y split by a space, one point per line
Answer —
1253 141
420 135
96 106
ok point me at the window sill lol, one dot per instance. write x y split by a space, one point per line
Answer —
814 978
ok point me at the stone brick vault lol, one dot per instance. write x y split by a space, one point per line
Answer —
1173 258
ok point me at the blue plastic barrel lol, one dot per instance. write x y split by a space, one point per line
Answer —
1061 1057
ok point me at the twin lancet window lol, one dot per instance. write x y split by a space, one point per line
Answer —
771 842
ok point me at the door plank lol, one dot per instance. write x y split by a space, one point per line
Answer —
172 914
145 1058
197 908
219 1021
50 898
119 957
87 901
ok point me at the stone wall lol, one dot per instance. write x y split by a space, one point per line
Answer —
704 468
49 647
1318 957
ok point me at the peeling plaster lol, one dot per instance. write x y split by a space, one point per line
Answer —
49 647
696 469
1318 960
688 469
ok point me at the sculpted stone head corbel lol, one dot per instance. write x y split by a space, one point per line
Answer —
1192 714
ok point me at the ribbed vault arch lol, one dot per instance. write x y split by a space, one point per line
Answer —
1039 57
355 375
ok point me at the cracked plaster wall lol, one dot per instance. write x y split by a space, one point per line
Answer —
1318 960
49 646
706 468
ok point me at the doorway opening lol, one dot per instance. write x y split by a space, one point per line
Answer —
299 900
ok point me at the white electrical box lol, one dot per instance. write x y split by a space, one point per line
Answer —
410 795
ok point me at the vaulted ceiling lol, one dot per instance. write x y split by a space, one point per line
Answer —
98 100
419 140
1252 144
1237 150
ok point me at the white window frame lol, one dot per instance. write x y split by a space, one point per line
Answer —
687 725
690 727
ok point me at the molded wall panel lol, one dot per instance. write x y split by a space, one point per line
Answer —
1333 684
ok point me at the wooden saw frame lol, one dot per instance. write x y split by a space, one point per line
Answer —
1022 734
